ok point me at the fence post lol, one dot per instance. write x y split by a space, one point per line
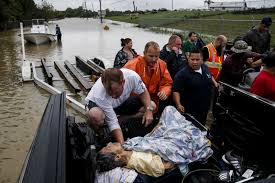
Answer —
253 19
222 24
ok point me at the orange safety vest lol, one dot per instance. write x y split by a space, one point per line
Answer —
214 61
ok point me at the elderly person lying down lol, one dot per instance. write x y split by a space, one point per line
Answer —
173 142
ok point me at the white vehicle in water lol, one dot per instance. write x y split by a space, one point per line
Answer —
39 33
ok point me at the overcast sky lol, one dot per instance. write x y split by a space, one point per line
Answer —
141 4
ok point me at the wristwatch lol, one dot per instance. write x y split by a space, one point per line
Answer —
150 108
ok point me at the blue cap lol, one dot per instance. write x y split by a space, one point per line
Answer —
266 21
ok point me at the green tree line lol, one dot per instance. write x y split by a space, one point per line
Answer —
18 10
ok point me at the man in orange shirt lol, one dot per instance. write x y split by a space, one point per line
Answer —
153 72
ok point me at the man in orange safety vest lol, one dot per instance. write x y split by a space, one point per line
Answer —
213 55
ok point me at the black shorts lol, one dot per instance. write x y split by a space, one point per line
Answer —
129 107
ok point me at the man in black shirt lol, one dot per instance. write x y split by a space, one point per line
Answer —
192 87
259 38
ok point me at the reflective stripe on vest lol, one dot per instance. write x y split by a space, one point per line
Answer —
214 60
214 65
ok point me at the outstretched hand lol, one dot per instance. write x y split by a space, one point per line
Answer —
181 109
147 118
162 95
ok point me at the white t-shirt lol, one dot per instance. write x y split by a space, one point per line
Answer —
98 94
199 70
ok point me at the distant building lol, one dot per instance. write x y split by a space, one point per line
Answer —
228 6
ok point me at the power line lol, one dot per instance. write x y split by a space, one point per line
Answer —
128 3
118 1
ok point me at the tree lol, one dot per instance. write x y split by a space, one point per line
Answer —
47 10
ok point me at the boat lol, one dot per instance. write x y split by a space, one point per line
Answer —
71 77
39 33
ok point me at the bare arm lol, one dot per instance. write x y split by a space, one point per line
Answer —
176 97
256 63
111 120
216 84
146 100
117 134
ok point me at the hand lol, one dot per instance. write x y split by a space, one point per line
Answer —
162 95
187 54
175 49
249 61
180 108
217 85
147 118
256 63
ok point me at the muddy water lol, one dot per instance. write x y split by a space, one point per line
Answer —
22 104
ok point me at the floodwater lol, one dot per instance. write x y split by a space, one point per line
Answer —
22 104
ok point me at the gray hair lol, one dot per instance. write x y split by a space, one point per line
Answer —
107 161
173 38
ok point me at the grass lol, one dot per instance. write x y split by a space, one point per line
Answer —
207 23
172 15
205 37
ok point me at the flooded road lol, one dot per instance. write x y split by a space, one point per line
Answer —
22 104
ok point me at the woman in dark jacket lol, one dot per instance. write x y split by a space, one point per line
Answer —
125 54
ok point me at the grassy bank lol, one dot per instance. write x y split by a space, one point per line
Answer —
205 23
172 15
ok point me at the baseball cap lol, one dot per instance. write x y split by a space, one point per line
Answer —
266 21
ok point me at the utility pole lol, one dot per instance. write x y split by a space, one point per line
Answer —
100 11
134 6
93 6
85 10
172 5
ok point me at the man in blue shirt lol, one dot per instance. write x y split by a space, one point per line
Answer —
192 87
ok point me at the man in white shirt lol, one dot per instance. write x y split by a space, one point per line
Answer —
110 96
